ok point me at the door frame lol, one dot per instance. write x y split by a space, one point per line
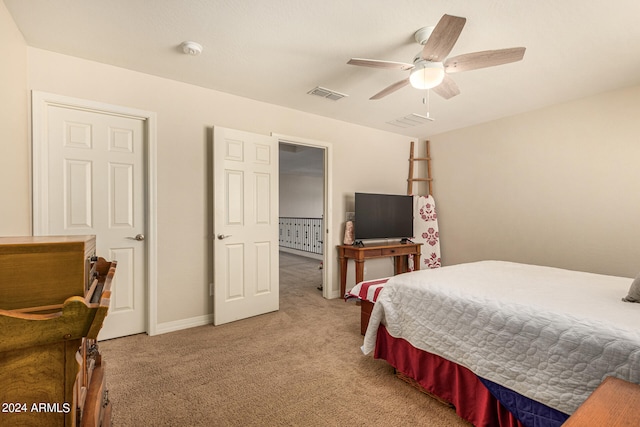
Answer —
327 261
40 101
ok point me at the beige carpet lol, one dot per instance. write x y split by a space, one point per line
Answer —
300 366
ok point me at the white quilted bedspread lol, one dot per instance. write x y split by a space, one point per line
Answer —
549 334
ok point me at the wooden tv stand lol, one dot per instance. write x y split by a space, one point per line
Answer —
400 251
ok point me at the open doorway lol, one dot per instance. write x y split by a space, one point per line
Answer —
302 195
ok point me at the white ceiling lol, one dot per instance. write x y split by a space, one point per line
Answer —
301 160
278 50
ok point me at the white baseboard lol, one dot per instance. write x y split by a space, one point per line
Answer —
335 294
177 325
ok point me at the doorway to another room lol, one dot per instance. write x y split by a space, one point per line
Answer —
302 183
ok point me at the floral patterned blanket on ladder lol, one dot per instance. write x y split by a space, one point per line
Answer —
425 230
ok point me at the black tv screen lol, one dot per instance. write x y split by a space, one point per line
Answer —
383 216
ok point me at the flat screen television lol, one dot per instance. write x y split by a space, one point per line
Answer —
383 216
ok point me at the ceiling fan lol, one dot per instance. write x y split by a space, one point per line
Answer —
431 67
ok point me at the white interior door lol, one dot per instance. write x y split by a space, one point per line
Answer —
245 174
93 183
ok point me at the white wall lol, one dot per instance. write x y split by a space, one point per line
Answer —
15 196
185 115
301 196
559 186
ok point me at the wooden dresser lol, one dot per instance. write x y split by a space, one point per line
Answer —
54 296
614 403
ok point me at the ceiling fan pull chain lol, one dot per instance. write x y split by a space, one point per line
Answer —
427 101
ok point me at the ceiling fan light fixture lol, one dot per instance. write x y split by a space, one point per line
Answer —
426 74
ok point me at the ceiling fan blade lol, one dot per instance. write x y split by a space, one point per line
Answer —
447 89
443 37
394 87
487 58
375 63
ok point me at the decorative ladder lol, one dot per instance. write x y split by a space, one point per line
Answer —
412 160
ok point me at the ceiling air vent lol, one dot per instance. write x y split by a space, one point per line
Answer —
326 93
413 119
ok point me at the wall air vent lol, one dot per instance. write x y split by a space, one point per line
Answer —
326 93
413 119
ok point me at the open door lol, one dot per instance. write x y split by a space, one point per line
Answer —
245 225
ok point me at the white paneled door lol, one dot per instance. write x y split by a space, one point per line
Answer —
245 225
93 183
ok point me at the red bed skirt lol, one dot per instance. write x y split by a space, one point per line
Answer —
450 381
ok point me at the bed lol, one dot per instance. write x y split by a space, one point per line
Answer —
507 343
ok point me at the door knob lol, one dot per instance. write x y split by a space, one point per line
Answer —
223 236
138 237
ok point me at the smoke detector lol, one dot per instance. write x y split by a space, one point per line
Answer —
191 48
